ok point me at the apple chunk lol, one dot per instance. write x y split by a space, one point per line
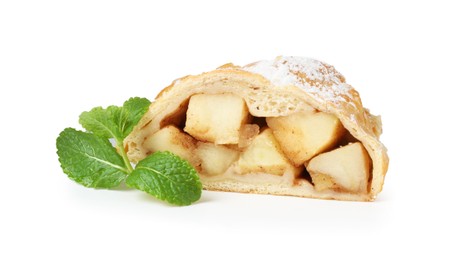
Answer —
264 155
303 135
215 159
216 118
323 182
173 140
347 167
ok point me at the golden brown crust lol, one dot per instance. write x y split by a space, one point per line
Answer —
275 88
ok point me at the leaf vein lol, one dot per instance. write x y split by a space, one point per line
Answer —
157 172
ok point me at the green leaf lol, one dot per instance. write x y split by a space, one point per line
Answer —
167 177
132 111
115 122
90 160
101 122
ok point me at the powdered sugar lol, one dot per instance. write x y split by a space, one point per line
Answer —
318 79
274 71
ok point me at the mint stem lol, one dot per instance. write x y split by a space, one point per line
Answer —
123 154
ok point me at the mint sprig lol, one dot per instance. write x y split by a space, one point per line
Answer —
115 122
89 158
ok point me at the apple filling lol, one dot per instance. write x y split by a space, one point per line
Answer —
219 137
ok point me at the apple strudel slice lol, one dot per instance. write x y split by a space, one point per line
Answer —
288 126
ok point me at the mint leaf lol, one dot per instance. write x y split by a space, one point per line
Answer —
132 111
101 121
166 177
113 121
90 160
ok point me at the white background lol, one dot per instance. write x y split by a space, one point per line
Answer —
59 58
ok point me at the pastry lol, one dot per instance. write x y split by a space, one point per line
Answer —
288 126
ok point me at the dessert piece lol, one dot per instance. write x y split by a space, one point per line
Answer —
254 128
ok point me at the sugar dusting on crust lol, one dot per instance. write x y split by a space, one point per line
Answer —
318 79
